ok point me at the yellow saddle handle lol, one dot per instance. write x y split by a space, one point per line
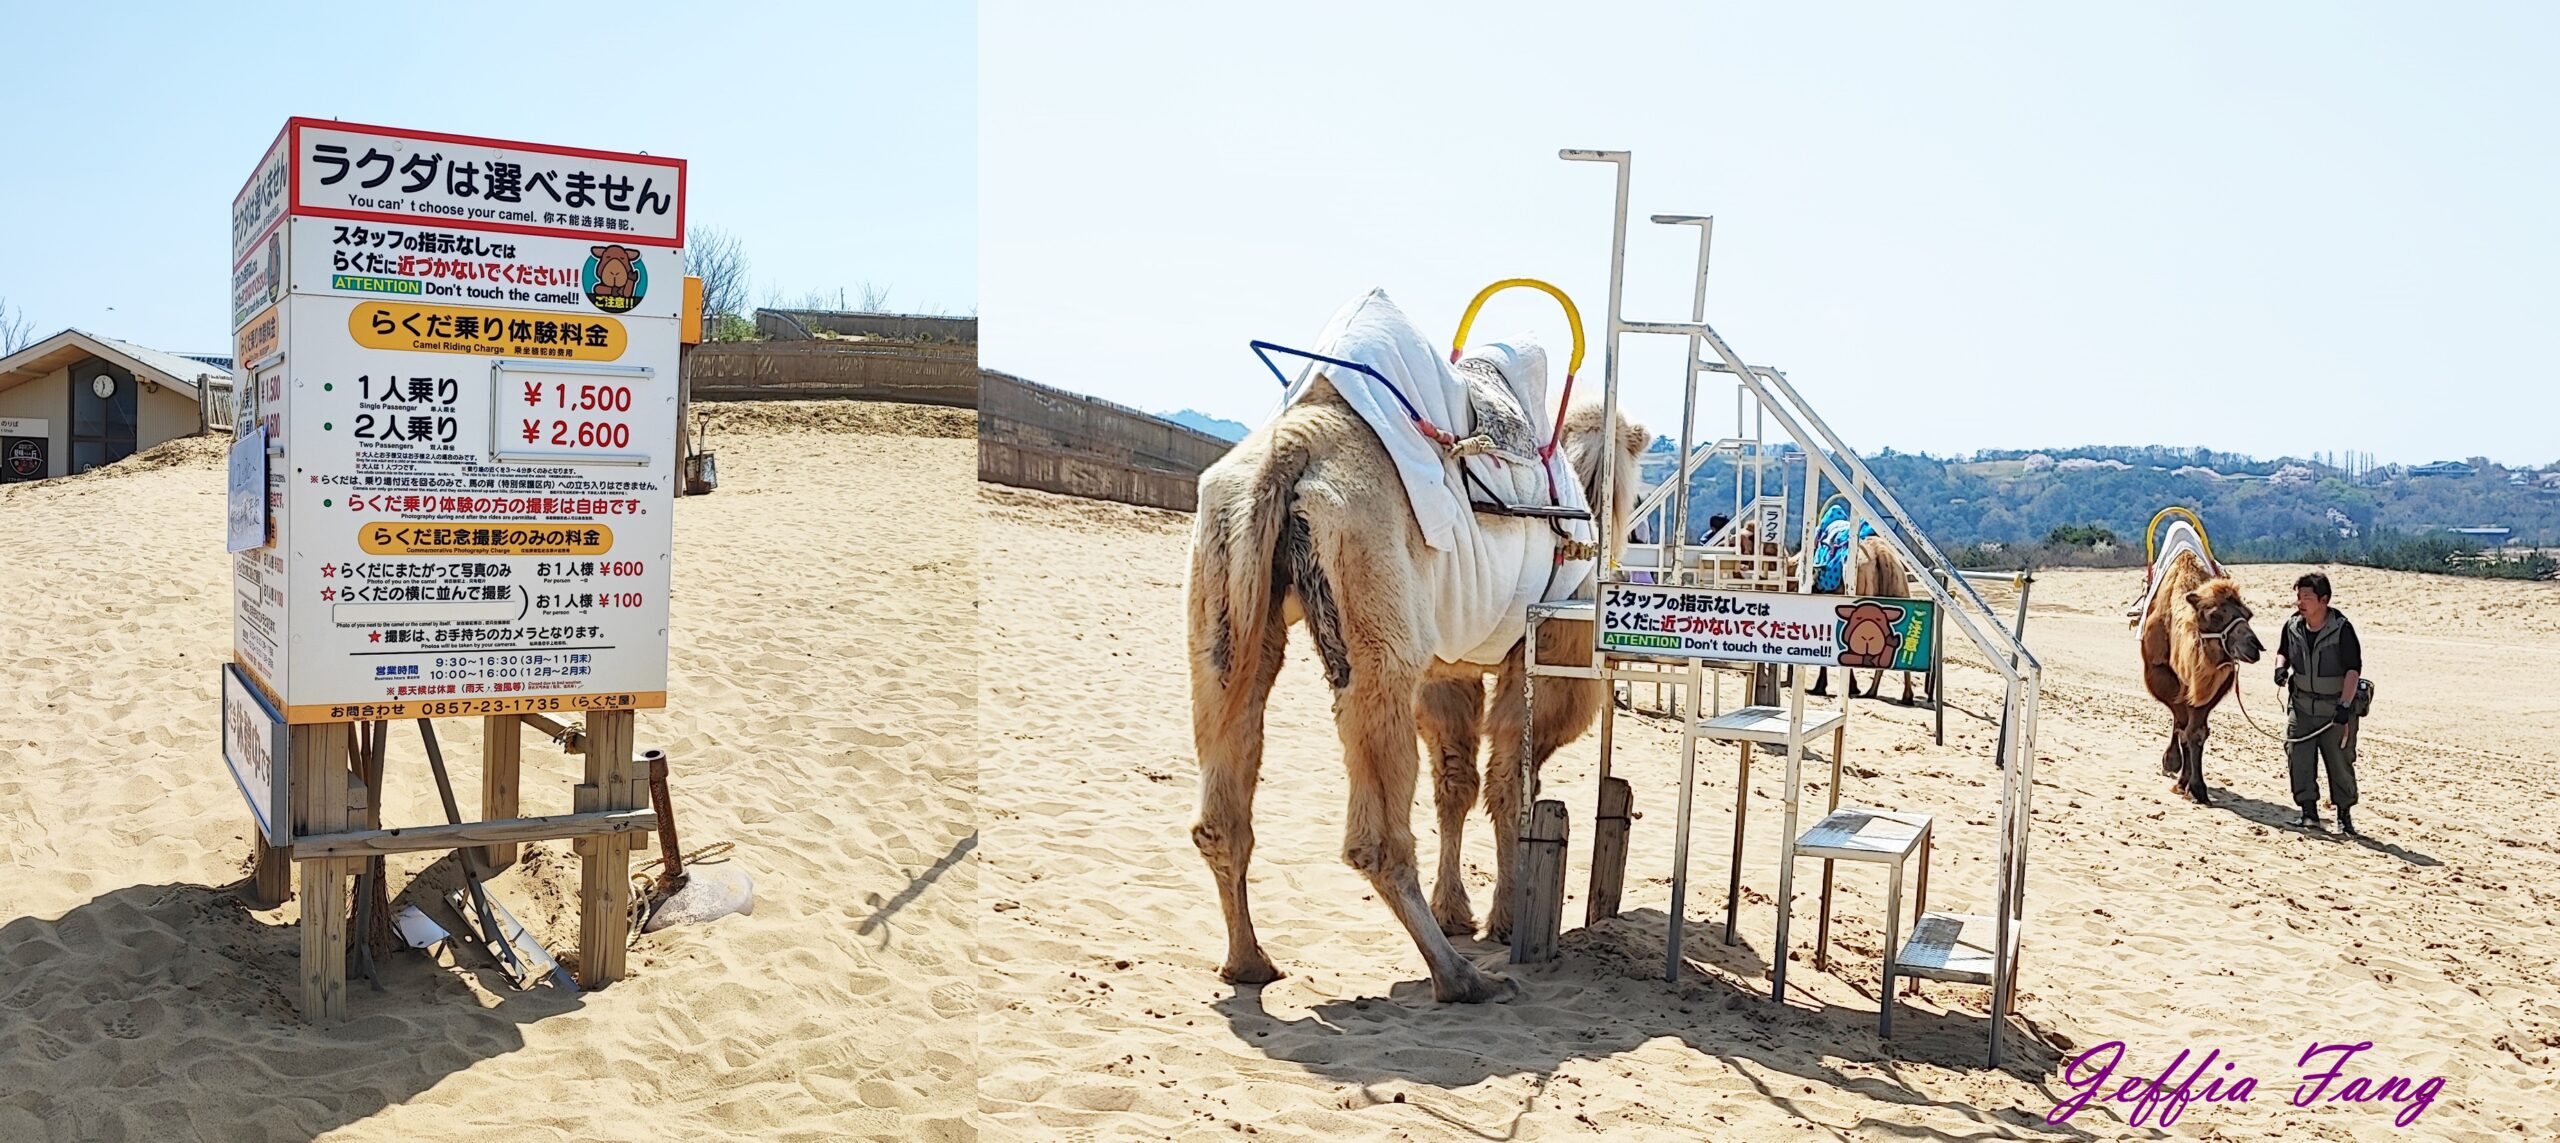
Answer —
1573 317
2151 534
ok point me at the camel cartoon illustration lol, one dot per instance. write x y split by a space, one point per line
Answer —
616 277
1866 633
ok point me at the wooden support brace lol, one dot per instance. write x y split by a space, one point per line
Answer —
271 877
604 865
414 839
320 796
501 768
572 740
1543 877
1609 849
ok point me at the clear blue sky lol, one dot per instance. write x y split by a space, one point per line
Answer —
837 141
2271 228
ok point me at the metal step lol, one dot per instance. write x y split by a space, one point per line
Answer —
1765 724
1855 833
1955 947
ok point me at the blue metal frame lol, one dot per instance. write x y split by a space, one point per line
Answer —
1264 350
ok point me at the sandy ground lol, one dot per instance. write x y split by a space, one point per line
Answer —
2154 922
821 717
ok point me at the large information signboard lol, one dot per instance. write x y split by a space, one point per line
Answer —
1740 626
468 382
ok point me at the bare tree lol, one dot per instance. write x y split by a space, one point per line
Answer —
16 332
875 299
715 256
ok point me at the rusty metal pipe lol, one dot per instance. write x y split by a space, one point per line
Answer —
664 802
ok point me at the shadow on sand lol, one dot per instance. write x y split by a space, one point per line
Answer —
916 886
161 1011
2279 817
1605 996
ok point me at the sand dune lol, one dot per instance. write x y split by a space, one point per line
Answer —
822 718
2155 922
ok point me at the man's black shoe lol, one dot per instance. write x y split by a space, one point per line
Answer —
2310 820
2347 825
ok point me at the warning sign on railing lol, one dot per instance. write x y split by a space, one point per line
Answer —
1767 627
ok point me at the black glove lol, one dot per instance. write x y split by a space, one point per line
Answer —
2345 715
2283 675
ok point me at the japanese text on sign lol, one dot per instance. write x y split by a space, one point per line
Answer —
488 184
1767 627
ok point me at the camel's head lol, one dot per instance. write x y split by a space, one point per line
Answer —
1585 444
2222 620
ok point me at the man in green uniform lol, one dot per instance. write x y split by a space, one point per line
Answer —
2320 658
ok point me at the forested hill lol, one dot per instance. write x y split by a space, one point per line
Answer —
2284 509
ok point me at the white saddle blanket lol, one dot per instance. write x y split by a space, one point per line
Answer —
1482 571
2178 536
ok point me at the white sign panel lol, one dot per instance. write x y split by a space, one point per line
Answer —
25 427
247 491
253 746
449 265
432 576
258 280
1744 626
261 202
342 170
258 574
470 418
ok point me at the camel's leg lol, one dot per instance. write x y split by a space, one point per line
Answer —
1502 793
1375 719
1906 687
1227 730
1383 659
1822 683
2173 758
2196 735
1451 712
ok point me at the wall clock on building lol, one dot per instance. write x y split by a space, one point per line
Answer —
103 385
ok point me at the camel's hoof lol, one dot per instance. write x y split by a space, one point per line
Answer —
1458 920
1256 969
2203 796
1474 987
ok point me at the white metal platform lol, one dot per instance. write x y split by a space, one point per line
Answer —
1767 724
1955 947
1580 609
1858 834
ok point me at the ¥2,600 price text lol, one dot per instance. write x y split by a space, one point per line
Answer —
578 434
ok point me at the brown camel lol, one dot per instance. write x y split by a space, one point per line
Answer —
2195 633
1876 572
1305 521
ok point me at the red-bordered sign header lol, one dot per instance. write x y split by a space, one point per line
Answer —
383 174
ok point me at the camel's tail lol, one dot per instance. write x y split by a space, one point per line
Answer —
1249 549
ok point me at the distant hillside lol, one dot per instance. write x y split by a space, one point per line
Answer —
1214 426
2280 509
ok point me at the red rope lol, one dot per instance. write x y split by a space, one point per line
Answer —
1557 430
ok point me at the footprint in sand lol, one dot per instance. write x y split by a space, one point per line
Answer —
48 1045
125 1021
953 999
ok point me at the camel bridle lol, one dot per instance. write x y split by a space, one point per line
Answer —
2219 637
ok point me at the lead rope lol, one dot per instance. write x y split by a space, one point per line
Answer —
2244 703
2253 722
